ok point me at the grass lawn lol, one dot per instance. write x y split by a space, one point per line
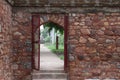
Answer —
59 52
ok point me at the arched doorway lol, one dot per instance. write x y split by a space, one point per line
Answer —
37 20
51 47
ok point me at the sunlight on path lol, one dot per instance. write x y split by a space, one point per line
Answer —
49 61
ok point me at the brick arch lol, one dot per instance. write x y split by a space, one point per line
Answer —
55 18
58 25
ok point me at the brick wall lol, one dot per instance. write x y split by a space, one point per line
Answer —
21 32
5 41
94 46
21 35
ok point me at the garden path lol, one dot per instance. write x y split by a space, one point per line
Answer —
49 60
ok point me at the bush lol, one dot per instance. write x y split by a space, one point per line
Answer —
47 39
61 39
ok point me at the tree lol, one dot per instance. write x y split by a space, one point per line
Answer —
58 30
52 25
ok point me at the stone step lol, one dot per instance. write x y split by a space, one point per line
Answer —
49 76
49 71
49 79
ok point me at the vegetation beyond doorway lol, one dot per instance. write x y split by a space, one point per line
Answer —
53 37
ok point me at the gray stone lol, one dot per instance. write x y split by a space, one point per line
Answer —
81 57
118 42
100 32
71 57
14 51
109 41
14 66
28 43
17 33
70 48
117 31
118 66
28 49
27 65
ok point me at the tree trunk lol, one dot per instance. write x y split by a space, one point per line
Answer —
57 44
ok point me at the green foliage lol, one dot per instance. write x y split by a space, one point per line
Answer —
61 39
52 25
61 57
47 39
52 47
44 32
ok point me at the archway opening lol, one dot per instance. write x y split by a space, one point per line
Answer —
51 46
57 25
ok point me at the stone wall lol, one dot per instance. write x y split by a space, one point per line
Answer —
5 41
94 46
21 35
64 3
22 48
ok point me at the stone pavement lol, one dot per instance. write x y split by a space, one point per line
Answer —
49 61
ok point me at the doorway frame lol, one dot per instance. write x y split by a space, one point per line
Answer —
66 24
34 28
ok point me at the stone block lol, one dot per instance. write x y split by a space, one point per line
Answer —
15 66
28 43
91 40
76 23
118 49
71 57
72 32
81 57
100 32
82 40
109 32
106 23
28 49
110 41
85 31
118 42
117 31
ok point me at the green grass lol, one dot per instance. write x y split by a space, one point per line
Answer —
59 52
61 57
